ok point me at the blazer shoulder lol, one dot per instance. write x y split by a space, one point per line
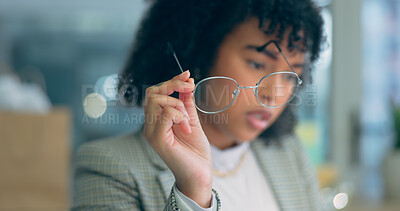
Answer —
130 152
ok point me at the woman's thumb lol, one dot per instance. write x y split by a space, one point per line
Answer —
187 99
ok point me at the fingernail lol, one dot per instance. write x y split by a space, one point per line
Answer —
184 73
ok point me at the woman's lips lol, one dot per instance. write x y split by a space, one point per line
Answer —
258 119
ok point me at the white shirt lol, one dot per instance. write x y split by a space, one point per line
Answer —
247 189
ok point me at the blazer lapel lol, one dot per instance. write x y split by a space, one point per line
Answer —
153 156
275 161
165 178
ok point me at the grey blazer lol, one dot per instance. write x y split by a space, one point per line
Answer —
125 173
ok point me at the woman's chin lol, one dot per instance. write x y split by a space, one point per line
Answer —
247 136
244 133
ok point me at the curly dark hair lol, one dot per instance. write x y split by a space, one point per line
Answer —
197 28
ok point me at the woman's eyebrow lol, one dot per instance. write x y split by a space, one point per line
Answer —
264 51
273 55
299 65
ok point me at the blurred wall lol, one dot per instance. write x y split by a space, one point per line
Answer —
346 89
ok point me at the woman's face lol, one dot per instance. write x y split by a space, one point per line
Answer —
237 58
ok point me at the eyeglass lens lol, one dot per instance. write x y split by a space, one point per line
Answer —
215 94
278 89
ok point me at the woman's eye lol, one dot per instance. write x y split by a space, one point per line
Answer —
291 78
256 65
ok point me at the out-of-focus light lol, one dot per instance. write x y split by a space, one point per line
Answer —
94 105
340 200
110 86
107 86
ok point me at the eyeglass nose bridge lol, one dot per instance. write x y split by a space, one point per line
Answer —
249 87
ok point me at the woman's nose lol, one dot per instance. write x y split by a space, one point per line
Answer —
265 96
270 90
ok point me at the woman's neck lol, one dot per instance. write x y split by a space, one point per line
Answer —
218 137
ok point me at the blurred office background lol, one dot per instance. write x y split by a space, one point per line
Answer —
63 51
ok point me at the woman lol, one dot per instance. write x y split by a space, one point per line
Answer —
193 153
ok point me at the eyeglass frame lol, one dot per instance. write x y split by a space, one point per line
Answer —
255 88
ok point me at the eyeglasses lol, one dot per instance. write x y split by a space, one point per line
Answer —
217 93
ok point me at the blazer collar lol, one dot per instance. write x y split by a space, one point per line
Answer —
273 158
153 156
166 180
165 177
276 162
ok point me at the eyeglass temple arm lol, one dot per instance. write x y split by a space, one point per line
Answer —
171 49
284 57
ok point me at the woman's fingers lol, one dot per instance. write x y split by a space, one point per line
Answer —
187 99
176 84
153 111
170 116
158 102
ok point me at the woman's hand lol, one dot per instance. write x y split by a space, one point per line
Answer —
173 129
